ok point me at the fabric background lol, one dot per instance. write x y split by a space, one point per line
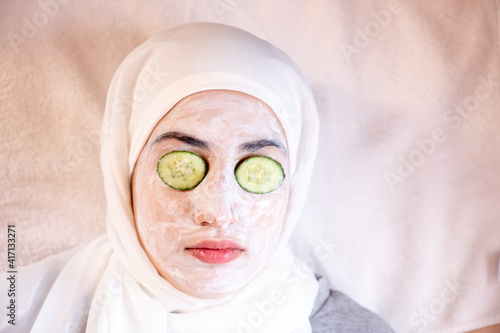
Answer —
402 214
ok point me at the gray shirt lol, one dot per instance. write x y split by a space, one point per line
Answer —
334 312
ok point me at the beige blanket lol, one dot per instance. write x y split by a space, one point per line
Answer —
403 213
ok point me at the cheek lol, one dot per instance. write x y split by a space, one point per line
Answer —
268 213
271 210
154 205
160 214
154 201
161 223
268 218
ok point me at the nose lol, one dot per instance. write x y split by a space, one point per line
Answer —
215 202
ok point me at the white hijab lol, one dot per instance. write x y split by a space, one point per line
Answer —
130 295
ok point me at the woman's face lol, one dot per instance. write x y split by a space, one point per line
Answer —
214 239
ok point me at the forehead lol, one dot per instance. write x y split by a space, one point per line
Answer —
220 112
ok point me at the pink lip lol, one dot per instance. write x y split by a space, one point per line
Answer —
215 252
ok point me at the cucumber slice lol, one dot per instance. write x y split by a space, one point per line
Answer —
259 174
182 170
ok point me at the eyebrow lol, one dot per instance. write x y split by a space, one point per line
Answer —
259 144
183 138
190 140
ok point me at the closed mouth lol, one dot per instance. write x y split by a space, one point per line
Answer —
215 251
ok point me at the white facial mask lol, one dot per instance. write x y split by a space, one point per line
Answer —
171 222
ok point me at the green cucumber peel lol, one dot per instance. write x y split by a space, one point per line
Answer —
182 170
259 174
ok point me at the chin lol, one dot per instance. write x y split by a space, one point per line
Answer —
211 292
211 289
211 282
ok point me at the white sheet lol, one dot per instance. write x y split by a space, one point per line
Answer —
422 253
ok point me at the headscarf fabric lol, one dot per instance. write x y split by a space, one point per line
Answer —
130 295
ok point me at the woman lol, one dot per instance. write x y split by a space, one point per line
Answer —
209 139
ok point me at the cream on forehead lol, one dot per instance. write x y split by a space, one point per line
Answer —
207 104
